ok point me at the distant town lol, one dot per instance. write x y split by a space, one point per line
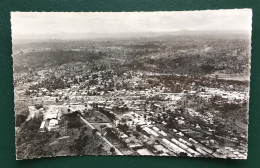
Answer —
182 96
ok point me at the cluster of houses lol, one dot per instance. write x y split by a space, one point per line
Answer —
160 142
52 115
51 118
142 100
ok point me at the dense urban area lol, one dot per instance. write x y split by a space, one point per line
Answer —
163 96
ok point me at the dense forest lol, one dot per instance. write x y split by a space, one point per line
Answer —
180 54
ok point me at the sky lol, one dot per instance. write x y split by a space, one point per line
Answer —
59 24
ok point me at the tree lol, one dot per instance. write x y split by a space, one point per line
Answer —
94 131
100 147
102 126
19 119
123 127
145 116
112 150
80 143
38 106
158 118
136 134
183 154
138 128
74 124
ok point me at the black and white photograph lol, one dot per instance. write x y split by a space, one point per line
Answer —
165 83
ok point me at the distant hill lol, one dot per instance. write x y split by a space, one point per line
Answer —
29 38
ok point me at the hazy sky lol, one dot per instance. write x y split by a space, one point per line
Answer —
58 23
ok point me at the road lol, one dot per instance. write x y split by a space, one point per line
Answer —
99 134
